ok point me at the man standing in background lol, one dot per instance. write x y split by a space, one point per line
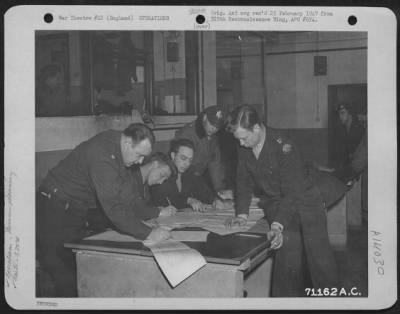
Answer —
203 133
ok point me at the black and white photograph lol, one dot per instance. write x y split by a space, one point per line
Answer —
214 159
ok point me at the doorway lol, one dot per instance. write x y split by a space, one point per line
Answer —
348 93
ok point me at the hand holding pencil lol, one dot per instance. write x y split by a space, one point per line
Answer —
169 210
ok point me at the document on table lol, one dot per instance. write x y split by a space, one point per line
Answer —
213 221
112 235
176 235
176 260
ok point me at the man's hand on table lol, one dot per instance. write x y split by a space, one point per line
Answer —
158 234
167 211
237 221
196 205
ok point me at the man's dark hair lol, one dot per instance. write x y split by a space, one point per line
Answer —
163 160
180 142
139 132
244 116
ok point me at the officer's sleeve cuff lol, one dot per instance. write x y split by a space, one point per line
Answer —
278 225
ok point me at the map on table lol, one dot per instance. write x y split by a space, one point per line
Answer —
213 220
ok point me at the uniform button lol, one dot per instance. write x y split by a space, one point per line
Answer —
112 157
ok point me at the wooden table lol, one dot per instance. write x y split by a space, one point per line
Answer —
237 266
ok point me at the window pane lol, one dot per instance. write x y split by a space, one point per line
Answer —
114 72
62 84
118 71
175 72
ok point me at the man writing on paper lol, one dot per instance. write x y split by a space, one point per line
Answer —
185 189
154 172
96 171
292 204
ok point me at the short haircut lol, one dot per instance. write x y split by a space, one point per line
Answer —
139 132
244 116
180 142
163 160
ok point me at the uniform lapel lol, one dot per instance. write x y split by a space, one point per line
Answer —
264 158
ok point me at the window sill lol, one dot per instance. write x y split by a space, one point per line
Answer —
171 122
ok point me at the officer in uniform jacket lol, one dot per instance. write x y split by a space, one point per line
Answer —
292 204
348 138
185 189
96 171
192 187
203 133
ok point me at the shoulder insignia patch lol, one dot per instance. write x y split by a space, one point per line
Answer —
287 148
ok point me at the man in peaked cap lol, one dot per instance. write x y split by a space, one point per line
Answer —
348 137
203 133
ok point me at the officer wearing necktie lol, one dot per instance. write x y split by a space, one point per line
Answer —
292 203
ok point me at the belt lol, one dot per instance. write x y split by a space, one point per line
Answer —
67 204
53 195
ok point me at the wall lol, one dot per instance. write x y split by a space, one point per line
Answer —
297 98
297 101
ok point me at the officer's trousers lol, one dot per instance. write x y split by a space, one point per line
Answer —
306 259
55 225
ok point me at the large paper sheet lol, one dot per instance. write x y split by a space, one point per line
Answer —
213 221
176 260
112 235
187 236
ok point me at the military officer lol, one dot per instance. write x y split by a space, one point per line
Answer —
96 172
291 202
203 133
185 189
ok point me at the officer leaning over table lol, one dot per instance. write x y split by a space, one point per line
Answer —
96 172
203 132
291 202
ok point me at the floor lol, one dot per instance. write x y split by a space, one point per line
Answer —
353 260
